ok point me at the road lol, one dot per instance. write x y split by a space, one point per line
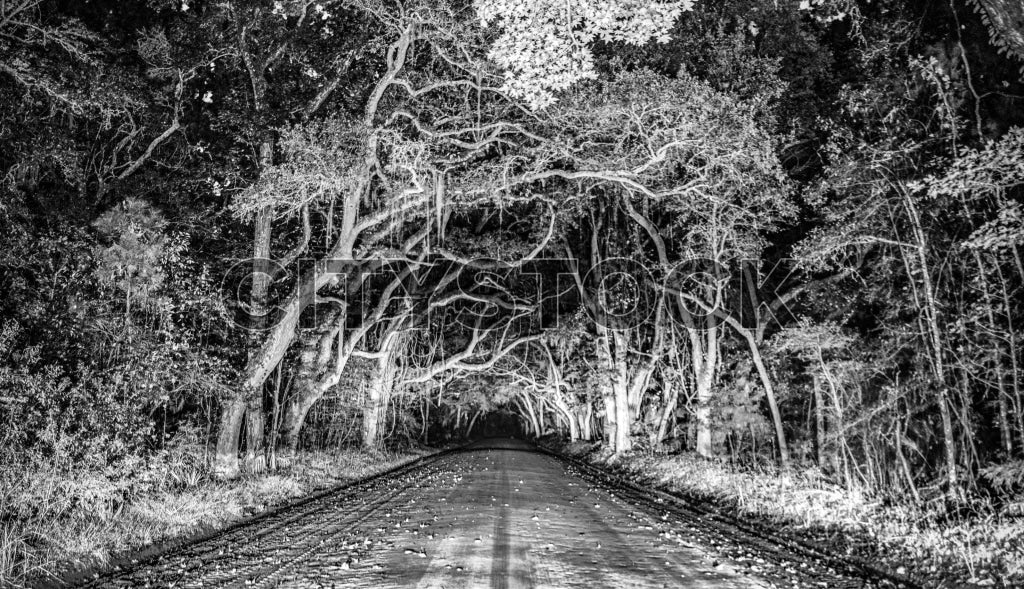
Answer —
508 518
499 515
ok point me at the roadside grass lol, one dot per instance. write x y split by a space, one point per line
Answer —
57 519
985 548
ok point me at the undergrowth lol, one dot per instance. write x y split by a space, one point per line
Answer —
984 547
57 517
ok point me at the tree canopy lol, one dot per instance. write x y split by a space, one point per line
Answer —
785 231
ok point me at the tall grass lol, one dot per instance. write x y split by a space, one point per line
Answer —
983 548
57 517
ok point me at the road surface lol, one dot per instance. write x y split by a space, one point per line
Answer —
499 515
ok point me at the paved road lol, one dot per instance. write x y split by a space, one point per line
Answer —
498 516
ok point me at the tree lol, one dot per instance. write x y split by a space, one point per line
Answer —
705 184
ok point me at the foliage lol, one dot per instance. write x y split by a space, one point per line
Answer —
132 262
1007 477
318 161
1003 22
544 46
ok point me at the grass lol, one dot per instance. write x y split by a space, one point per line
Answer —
983 549
55 520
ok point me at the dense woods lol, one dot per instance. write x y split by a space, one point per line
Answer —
782 233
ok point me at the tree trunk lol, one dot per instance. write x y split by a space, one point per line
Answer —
254 422
472 422
275 424
623 440
532 414
294 417
377 398
704 359
228 438
608 427
261 260
942 399
255 456
373 415
280 338
667 412
703 414
542 423
587 422
769 390
311 383
571 420
425 416
225 464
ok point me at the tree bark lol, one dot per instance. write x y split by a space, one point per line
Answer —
255 457
703 363
225 463
373 415
531 414
623 439
703 415
569 415
228 439
608 425
374 412
667 412
295 414
773 405
472 422
587 422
